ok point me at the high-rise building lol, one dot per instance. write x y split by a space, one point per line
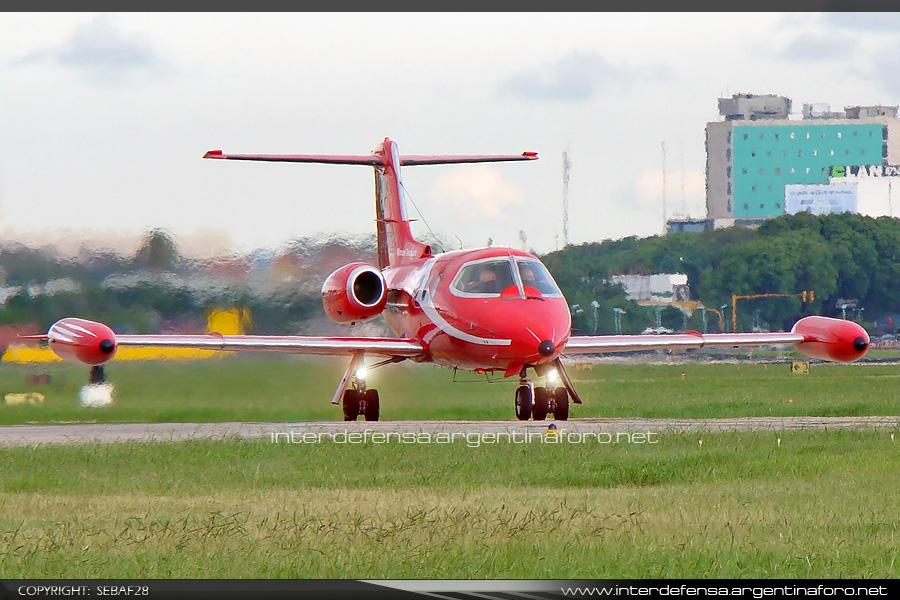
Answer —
757 150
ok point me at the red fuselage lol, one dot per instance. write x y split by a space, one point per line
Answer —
499 324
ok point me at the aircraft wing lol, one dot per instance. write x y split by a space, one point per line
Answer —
94 343
598 344
281 343
814 336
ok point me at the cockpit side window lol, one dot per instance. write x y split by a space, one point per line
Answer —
535 275
484 278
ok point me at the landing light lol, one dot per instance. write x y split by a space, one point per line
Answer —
552 376
361 374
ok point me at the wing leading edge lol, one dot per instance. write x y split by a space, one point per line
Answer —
599 344
334 346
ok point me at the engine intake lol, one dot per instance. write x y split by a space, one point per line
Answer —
355 292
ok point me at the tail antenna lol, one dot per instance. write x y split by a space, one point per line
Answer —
416 206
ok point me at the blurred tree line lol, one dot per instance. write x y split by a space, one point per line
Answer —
839 256
157 290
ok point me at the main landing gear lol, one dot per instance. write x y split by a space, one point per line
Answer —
97 375
97 392
351 392
360 401
356 400
538 402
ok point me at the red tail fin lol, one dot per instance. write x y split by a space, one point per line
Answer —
396 244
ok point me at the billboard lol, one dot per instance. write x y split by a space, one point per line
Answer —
864 171
820 199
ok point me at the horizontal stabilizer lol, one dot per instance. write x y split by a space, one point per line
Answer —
412 160
371 159
332 159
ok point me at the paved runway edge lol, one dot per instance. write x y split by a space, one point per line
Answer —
32 435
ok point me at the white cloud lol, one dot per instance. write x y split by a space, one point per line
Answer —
476 192
820 47
863 21
574 77
102 51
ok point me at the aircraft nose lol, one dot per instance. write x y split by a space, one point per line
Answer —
546 348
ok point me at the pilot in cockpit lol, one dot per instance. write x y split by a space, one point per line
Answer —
528 277
486 282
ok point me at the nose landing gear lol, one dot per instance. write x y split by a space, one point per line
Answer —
538 402
524 400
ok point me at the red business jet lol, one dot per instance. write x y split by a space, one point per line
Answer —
486 310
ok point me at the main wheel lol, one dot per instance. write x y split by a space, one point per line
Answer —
351 405
523 402
541 404
372 405
561 404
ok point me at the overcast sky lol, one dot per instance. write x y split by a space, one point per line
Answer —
104 117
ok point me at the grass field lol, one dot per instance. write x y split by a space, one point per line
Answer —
790 504
286 389
815 504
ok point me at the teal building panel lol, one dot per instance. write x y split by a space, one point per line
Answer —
766 158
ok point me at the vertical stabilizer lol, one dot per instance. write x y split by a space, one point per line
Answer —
396 244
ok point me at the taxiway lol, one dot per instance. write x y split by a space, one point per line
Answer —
31 435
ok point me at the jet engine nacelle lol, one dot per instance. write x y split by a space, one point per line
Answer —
80 340
355 292
831 339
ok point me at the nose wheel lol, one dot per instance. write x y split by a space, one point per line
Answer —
537 402
524 402
541 404
560 406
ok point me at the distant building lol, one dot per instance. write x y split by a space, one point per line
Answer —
662 288
698 225
758 159
688 225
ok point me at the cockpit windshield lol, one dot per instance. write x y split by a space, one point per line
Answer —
490 277
485 277
535 275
